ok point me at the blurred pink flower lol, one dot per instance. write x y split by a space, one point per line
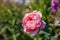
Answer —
56 22
32 22
54 5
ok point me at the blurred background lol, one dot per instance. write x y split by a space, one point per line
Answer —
12 12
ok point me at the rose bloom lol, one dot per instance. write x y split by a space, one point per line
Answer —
32 22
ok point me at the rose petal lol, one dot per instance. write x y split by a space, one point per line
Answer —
43 24
38 12
33 33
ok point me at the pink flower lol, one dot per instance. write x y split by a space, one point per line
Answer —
32 22
56 22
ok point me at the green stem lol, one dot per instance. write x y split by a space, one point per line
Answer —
37 37
14 37
5 37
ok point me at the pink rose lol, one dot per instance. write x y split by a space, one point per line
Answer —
32 22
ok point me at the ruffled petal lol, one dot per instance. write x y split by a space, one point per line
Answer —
38 12
33 33
43 24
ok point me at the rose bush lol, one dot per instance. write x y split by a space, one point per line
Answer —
32 22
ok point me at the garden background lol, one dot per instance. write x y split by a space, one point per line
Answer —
12 12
